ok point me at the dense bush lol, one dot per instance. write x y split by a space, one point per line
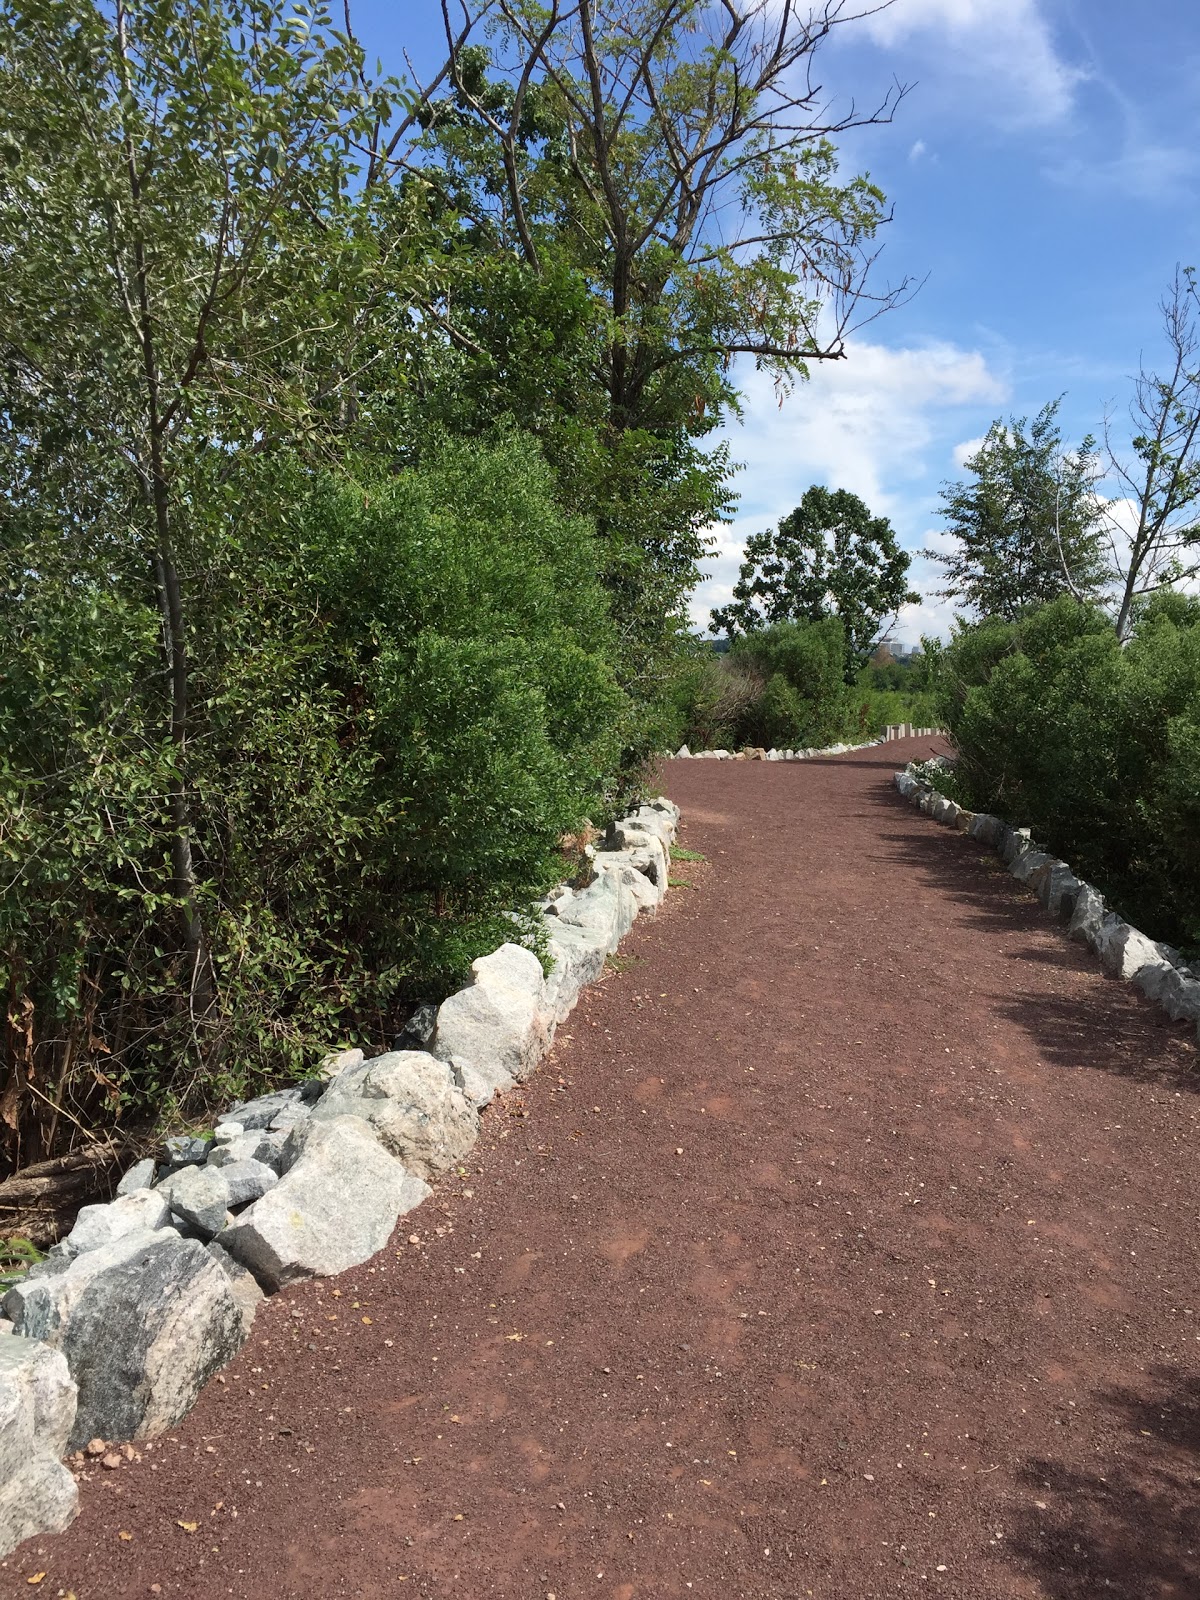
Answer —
1094 746
782 686
403 695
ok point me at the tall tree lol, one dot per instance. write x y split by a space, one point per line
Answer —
1027 524
680 157
829 556
174 222
1159 546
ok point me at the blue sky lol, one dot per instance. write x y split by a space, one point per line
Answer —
1044 171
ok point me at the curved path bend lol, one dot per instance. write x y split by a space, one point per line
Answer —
845 1247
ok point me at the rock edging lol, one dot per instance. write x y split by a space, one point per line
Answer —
1158 970
894 730
757 753
114 1335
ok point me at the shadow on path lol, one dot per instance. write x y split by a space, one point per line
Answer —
1111 1026
1131 1531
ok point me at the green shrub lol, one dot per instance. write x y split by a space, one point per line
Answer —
805 699
781 686
1094 747
403 693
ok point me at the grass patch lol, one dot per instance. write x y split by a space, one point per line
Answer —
16 1257
678 853
621 963
680 883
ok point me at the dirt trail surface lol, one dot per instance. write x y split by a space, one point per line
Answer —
846 1246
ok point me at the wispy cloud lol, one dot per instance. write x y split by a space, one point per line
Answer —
1004 50
1144 168
963 452
881 424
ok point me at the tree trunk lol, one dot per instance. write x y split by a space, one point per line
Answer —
201 979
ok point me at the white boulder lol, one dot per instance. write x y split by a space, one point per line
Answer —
578 954
37 1410
141 1211
413 1106
335 1206
499 1022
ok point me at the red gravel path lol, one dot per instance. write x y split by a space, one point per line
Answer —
845 1247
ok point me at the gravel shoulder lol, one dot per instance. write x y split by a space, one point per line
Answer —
845 1247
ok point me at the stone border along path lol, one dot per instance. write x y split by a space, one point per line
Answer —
843 1247
1157 969
112 1338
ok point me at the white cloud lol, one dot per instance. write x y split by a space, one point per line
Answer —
917 150
1004 49
1144 170
963 452
880 424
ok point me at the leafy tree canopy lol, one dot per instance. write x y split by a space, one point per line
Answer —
828 557
677 160
1027 524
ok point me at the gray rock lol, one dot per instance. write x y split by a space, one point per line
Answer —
139 1176
259 1145
1012 842
143 1323
292 1115
1088 915
626 834
40 1497
38 1398
556 899
183 1150
200 1196
247 1181
142 1211
226 1133
985 827
335 1207
413 1106
37 1409
637 891
337 1061
659 817
630 892
418 1030
261 1113
243 1285
661 803
1026 862
1154 977
1124 950
652 859
682 753
1179 995
480 1091
606 907
498 1021
1056 887
578 955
